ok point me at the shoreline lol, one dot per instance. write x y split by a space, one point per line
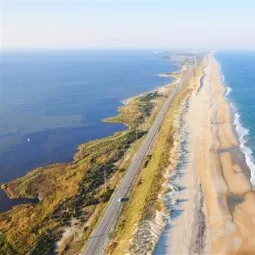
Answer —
128 100
240 131
173 75
233 111
226 184
215 176
233 186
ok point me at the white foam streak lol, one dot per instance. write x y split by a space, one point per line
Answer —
242 133
228 91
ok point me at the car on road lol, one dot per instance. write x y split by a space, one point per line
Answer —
122 199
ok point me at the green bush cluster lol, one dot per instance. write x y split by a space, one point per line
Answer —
45 245
5 247
102 154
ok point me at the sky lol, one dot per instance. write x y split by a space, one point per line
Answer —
78 24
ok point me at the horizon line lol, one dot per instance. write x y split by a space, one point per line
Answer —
154 48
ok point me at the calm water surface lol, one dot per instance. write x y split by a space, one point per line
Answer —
52 101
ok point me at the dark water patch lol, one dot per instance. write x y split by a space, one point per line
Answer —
48 147
7 203
234 200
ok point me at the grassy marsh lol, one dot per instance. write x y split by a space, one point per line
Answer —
73 195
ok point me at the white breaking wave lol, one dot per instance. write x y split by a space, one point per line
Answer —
242 133
228 91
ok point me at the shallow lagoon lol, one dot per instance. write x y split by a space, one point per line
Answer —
53 101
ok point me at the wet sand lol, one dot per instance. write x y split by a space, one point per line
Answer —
229 196
217 213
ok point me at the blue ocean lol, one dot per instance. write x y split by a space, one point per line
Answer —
50 102
238 74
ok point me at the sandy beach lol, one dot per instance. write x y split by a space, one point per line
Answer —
215 213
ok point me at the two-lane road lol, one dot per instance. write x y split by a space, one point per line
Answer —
99 237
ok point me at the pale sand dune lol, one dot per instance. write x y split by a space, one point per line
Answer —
214 161
185 235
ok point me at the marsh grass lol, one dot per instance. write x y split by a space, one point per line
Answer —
75 190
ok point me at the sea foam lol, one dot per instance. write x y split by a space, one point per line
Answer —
228 91
242 134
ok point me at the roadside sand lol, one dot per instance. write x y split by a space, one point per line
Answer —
216 209
184 233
